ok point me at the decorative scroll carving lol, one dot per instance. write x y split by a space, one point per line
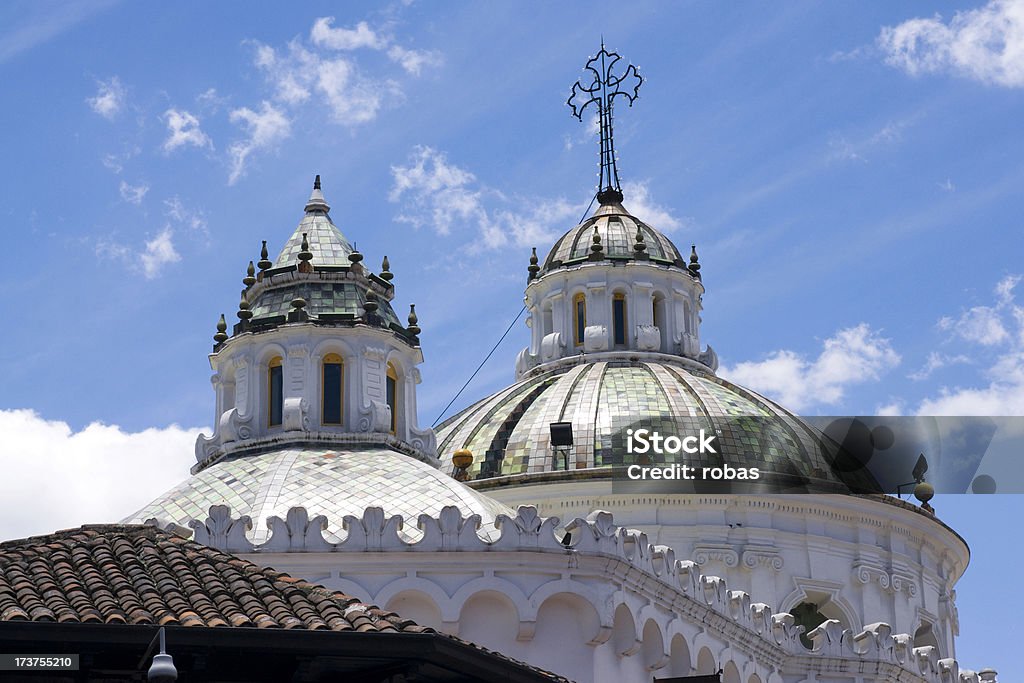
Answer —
297 533
595 338
762 558
295 415
221 531
704 553
551 346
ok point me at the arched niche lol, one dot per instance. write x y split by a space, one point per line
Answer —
679 662
706 664
490 619
567 629
419 607
652 648
624 638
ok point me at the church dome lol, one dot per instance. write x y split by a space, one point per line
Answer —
620 232
509 432
328 481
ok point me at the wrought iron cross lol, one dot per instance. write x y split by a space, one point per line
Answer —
603 88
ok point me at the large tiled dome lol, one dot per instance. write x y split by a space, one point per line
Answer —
509 432
325 481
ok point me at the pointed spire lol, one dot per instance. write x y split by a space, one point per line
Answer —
694 266
533 268
414 328
250 276
385 270
317 203
222 327
596 249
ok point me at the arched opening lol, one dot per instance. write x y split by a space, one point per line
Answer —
925 635
392 396
488 618
660 318
416 606
653 646
566 626
579 317
730 674
808 615
275 391
754 678
332 394
706 662
623 631
619 337
679 663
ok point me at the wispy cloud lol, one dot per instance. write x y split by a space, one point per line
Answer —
265 129
845 149
937 361
193 219
159 252
435 193
985 44
109 99
133 194
994 335
183 129
324 34
84 482
45 22
852 356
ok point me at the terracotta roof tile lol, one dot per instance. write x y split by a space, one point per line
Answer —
129 574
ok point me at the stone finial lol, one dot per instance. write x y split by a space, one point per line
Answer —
385 270
297 314
222 335
462 459
265 261
414 328
533 268
250 276
305 256
596 249
355 257
640 245
694 266
316 182
370 305
316 202
244 314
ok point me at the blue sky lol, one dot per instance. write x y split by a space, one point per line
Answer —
850 173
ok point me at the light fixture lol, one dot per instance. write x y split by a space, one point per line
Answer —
162 669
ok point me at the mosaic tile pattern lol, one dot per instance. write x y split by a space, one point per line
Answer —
618 235
327 482
602 400
328 245
321 297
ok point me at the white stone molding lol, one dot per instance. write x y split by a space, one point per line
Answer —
762 557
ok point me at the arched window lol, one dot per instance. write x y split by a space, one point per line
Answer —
332 389
275 391
392 396
619 318
806 614
579 312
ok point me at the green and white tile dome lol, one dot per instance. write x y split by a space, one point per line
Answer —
508 432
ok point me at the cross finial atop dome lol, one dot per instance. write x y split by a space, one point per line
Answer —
603 88
316 202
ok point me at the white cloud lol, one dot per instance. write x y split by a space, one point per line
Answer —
100 474
936 361
413 61
947 186
844 149
984 44
353 99
852 356
438 194
183 129
109 99
159 252
194 220
637 199
265 129
324 34
997 335
133 194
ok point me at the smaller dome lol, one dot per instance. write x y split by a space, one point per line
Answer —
617 229
326 482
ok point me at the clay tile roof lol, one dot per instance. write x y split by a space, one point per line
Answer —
132 574
141 575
